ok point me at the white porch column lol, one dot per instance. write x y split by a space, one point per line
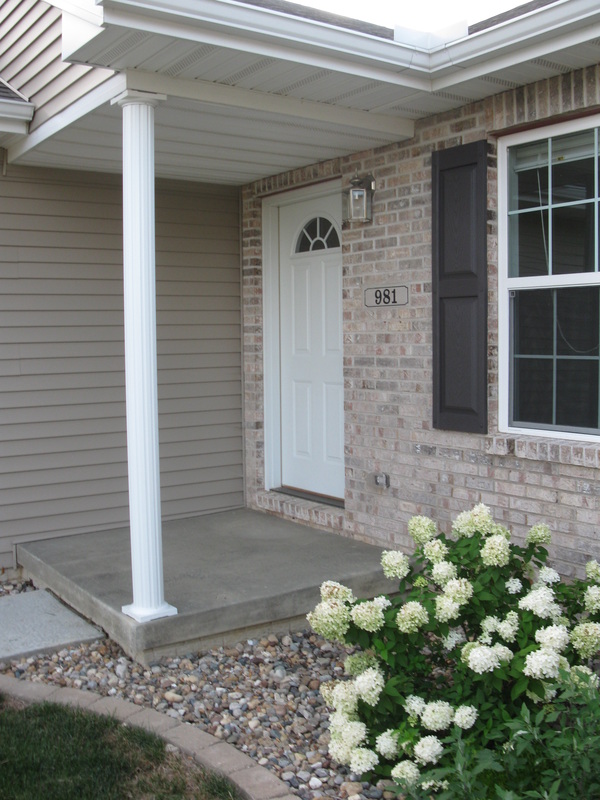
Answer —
139 279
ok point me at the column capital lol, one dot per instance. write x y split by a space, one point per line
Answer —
133 96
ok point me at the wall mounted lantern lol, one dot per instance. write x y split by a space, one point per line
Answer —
357 201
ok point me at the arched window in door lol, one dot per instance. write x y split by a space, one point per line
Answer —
318 234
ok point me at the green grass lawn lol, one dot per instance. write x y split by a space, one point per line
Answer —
52 752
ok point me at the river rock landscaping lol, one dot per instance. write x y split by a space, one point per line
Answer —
262 696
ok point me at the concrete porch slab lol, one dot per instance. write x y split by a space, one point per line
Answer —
231 576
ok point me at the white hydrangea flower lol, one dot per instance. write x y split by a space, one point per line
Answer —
344 697
482 658
592 570
442 572
422 529
555 637
428 750
414 705
539 534
541 602
459 589
446 608
513 586
434 786
437 716
411 616
406 773
454 638
330 619
386 744
363 760
395 564
340 751
382 601
465 717
468 523
369 685
495 551
509 627
490 624
435 551
591 599
503 652
580 669
332 590
585 638
352 731
542 664
548 576
346 735
368 616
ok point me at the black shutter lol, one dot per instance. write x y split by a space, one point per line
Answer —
459 224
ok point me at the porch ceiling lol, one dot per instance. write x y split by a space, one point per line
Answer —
253 91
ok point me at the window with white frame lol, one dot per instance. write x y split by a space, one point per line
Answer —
550 280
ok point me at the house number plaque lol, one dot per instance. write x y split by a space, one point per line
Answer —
387 296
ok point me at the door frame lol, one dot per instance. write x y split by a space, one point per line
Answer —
271 319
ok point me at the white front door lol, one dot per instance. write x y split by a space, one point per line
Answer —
311 369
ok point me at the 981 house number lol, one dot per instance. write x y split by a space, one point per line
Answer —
387 296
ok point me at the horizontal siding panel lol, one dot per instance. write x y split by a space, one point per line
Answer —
62 424
208 489
57 446
173 397
21 472
173 456
202 504
192 469
206 334
60 524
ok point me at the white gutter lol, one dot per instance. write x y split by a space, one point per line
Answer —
15 116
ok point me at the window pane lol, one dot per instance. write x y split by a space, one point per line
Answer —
533 391
577 321
573 167
533 323
577 393
529 176
573 239
529 244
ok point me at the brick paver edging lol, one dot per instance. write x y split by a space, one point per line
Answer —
252 781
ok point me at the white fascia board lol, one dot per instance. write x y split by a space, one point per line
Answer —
86 10
76 33
397 128
97 97
547 29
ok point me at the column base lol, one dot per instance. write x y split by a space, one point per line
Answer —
147 614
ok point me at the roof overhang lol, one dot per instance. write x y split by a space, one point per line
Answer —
253 90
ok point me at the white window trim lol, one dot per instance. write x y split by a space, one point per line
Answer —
505 284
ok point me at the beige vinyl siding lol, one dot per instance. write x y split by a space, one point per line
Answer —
31 59
62 385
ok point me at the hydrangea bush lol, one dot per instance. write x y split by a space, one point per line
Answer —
480 635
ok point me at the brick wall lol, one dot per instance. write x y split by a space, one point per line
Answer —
387 355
